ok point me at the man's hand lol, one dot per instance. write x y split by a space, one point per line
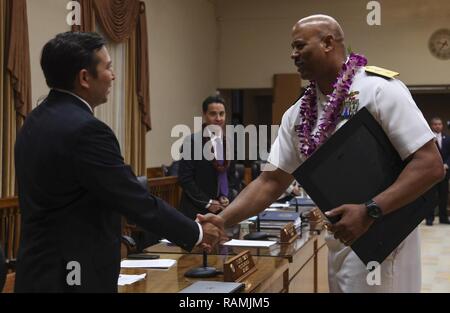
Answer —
213 230
353 224
216 207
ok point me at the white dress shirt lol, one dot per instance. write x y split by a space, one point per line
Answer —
76 96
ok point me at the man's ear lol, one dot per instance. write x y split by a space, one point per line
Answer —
327 43
83 78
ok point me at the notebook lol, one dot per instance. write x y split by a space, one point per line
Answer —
213 287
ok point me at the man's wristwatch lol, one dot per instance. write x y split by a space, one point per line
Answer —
373 210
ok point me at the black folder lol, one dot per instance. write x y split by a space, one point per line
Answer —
353 166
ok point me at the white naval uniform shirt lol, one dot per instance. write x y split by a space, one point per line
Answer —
391 104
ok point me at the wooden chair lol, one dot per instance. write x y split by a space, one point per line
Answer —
10 237
166 188
153 172
10 226
9 284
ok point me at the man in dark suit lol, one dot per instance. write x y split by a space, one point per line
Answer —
441 188
74 185
208 181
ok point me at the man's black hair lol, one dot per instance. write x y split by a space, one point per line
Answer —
212 99
64 56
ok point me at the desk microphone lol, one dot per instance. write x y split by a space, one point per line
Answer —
258 234
204 271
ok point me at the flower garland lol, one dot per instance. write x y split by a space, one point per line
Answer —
309 142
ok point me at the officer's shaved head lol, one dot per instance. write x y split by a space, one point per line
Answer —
324 24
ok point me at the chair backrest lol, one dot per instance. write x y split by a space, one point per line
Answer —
166 188
239 175
9 283
9 226
172 170
2 269
153 172
256 169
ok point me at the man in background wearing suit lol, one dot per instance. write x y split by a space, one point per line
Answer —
74 185
441 188
207 182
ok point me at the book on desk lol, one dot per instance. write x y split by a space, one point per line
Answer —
271 222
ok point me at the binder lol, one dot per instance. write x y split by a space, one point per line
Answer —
353 166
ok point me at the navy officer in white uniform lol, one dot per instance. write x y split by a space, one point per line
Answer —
320 55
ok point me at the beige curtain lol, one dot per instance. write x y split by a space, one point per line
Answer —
19 56
113 111
134 150
142 72
125 21
15 86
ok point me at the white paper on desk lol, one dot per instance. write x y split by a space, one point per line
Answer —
279 205
250 243
125 279
161 263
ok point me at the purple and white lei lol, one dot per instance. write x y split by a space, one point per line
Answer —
310 141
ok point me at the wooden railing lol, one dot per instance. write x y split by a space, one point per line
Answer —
9 226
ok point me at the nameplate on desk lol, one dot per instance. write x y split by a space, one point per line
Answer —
239 267
288 233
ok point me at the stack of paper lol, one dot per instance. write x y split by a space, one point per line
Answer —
129 279
161 263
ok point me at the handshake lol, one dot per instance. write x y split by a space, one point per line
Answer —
213 231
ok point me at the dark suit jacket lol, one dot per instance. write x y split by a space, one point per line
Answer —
445 150
198 179
73 187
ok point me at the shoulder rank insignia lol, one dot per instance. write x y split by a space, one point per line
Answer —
381 71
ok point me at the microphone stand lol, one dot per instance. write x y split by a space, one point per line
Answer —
204 271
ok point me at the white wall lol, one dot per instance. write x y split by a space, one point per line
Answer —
46 18
183 67
255 37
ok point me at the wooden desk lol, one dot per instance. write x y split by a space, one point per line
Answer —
271 275
307 257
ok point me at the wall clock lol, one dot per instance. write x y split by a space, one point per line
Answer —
439 44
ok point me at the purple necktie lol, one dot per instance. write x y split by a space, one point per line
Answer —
223 180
